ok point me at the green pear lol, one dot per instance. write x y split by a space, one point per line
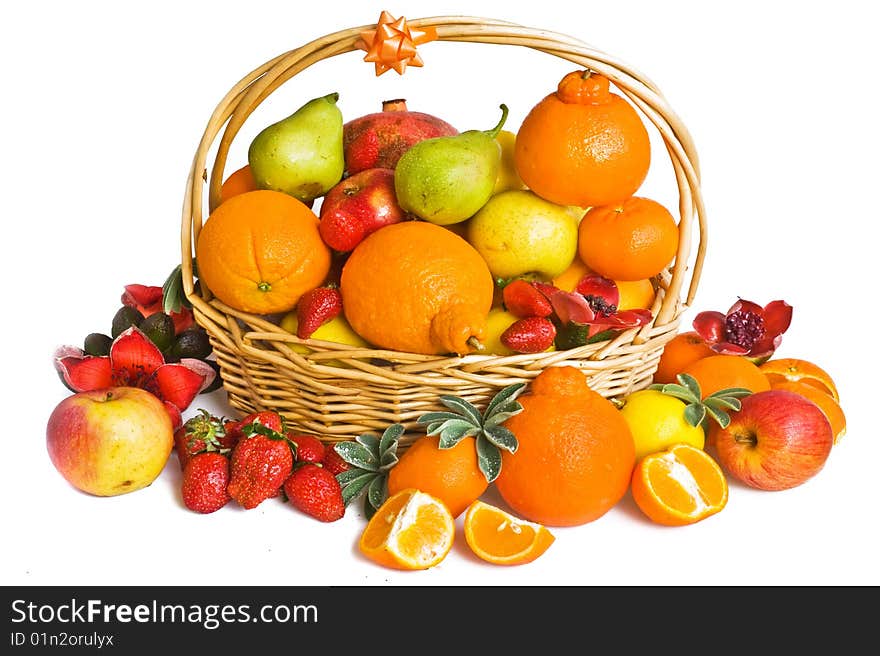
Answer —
445 180
301 155
519 233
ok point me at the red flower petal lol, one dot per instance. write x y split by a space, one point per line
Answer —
84 373
174 413
177 384
141 295
202 368
572 307
777 317
133 353
182 320
726 348
600 286
710 326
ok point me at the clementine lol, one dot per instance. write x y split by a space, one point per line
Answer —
500 538
575 456
679 352
417 287
260 251
717 372
238 182
798 369
630 240
582 144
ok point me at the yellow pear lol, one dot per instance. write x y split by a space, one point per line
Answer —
508 178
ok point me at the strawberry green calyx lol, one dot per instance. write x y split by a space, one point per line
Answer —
371 458
698 408
465 419
206 429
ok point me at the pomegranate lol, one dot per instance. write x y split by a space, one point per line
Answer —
378 140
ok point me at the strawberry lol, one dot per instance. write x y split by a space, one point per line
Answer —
260 462
341 232
307 448
333 461
315 308
530 335
233 429
316 492
524 300
200 433
205 479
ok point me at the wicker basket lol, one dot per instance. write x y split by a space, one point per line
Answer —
378 387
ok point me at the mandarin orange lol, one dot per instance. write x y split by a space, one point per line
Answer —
260 251
499 538
679 352
238 182
417 287
717 372
583 144
798 369
575 456
630 240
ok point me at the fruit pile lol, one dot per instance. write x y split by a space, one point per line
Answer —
395 230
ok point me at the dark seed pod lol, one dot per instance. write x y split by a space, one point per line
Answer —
125 317
97 344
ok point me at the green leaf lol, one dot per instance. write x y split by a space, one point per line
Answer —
356 486
433 417
347 476
369 508
502 437
680 392
454 431
377 492
508 394
357 455
690 383
464 408
388 459
719 402
371 441
173 298
389 440
500 417
694 413
718 415
434 428
736 392
488 458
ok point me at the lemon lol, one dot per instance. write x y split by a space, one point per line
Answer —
336 330
656 421
497 322
507 178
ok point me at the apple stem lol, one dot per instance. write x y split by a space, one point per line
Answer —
749 439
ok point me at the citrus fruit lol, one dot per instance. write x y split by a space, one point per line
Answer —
797 369
678 486
500 538
497 322
679 352
238 182
575 454
583 144
634 294
717 372
507 178
411 530
336 330
451 475
630 240
260 251
657 421
417 287
833 412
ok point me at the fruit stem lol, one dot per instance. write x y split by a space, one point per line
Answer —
332 97
476 344
494 131
394 105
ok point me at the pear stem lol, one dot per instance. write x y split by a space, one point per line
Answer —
494 131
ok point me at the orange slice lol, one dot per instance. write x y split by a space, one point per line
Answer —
678 486
500 538
796 369
411 530
825 401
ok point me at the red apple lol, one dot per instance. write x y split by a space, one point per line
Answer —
777 441
111 441
358 206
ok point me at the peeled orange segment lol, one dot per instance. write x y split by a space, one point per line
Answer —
796 369
411 530
825 401
500 538
678 486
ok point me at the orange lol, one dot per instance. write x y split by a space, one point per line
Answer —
826 402
679 352
717 372
583 145
451 475
237 183
410 530
796 369
575 456
634 294
630 240
500 538
678 486
260 251
417 287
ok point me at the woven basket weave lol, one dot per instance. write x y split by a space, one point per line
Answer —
259 369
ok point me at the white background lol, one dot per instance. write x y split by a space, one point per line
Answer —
103 106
